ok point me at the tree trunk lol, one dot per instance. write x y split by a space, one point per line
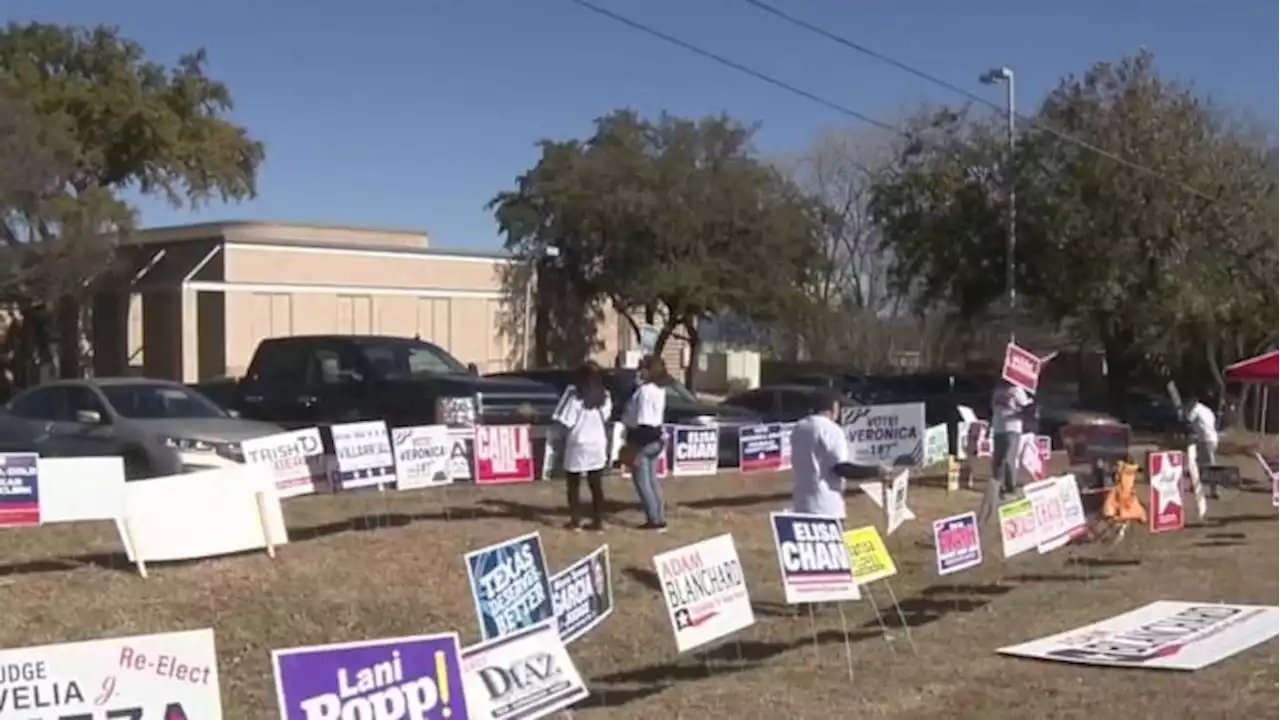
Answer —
67 318
695 346
1119 373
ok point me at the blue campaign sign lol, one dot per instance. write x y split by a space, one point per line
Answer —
813 558
19 489
760 447
510 586
583 595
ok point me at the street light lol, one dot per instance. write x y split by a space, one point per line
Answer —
526 349
991 77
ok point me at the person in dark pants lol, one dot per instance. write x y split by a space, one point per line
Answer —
583 415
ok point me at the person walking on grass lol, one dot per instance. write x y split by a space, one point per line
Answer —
1204 429
583 415
643 418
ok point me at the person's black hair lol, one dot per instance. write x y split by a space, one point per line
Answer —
589 384
823 398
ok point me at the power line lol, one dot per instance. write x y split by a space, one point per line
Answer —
927 77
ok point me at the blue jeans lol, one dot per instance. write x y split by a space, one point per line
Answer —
644 473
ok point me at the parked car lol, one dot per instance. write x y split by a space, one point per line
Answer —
777 403
158 427
318 380
683 407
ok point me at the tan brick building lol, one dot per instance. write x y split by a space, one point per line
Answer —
202 296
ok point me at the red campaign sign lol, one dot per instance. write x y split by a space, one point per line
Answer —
1044 444
1021 367
1164 473
504 454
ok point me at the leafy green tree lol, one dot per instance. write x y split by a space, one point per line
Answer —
1129 258
673 220
104 119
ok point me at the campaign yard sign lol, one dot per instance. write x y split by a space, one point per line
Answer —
164 676
363 455
695 450
705 591
582 595
504 454
525 676
956 543
1017 527
784 432
937 445
462 456
760 447
1164 635
19 489
422 456
509 585
896 511
1058 510
403 677
813 558
885 434
1029 457
295 460
1164 471
1021 367
868 555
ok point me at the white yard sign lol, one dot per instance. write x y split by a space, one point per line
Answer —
895 503
522 676
422 456
1164 635
705 591
363 455
295 459
885 434
166 675
1058 510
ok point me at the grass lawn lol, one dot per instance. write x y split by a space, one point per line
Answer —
400 572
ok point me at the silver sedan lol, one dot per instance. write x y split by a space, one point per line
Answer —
158 427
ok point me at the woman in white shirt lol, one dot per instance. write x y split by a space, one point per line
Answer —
583 413
643 419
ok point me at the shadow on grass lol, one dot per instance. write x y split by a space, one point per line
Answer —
1226 536
552 514
738 501
644 576
1221 543
928 606
100 561
378 521
1055 578
1089 562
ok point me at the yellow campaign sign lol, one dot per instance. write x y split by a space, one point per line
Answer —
868 556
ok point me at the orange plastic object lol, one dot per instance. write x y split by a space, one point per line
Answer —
1122 504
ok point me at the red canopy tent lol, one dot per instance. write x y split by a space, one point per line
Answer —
1263 368
1257 374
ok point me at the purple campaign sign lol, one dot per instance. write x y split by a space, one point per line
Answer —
408 677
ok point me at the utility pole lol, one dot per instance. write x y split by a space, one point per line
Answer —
991 77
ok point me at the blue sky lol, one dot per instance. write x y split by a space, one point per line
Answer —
413 113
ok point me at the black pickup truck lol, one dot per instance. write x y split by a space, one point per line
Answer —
316 380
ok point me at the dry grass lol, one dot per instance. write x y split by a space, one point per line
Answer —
402 573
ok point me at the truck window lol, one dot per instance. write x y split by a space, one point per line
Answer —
278 363
393 358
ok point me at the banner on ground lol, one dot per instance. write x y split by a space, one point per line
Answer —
937 445
895 503
523 676
19 489
582 595
165 675
295 459
362 455
705 591
504 454
813 558
462 456
510 586
868 555
1164 472
422 456
786 429
1058 509
760 447
885 434
1164 635
1017 527
1021 367
403 677
695 450
956 543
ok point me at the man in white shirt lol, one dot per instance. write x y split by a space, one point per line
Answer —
820 460
1009 403
1204 428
